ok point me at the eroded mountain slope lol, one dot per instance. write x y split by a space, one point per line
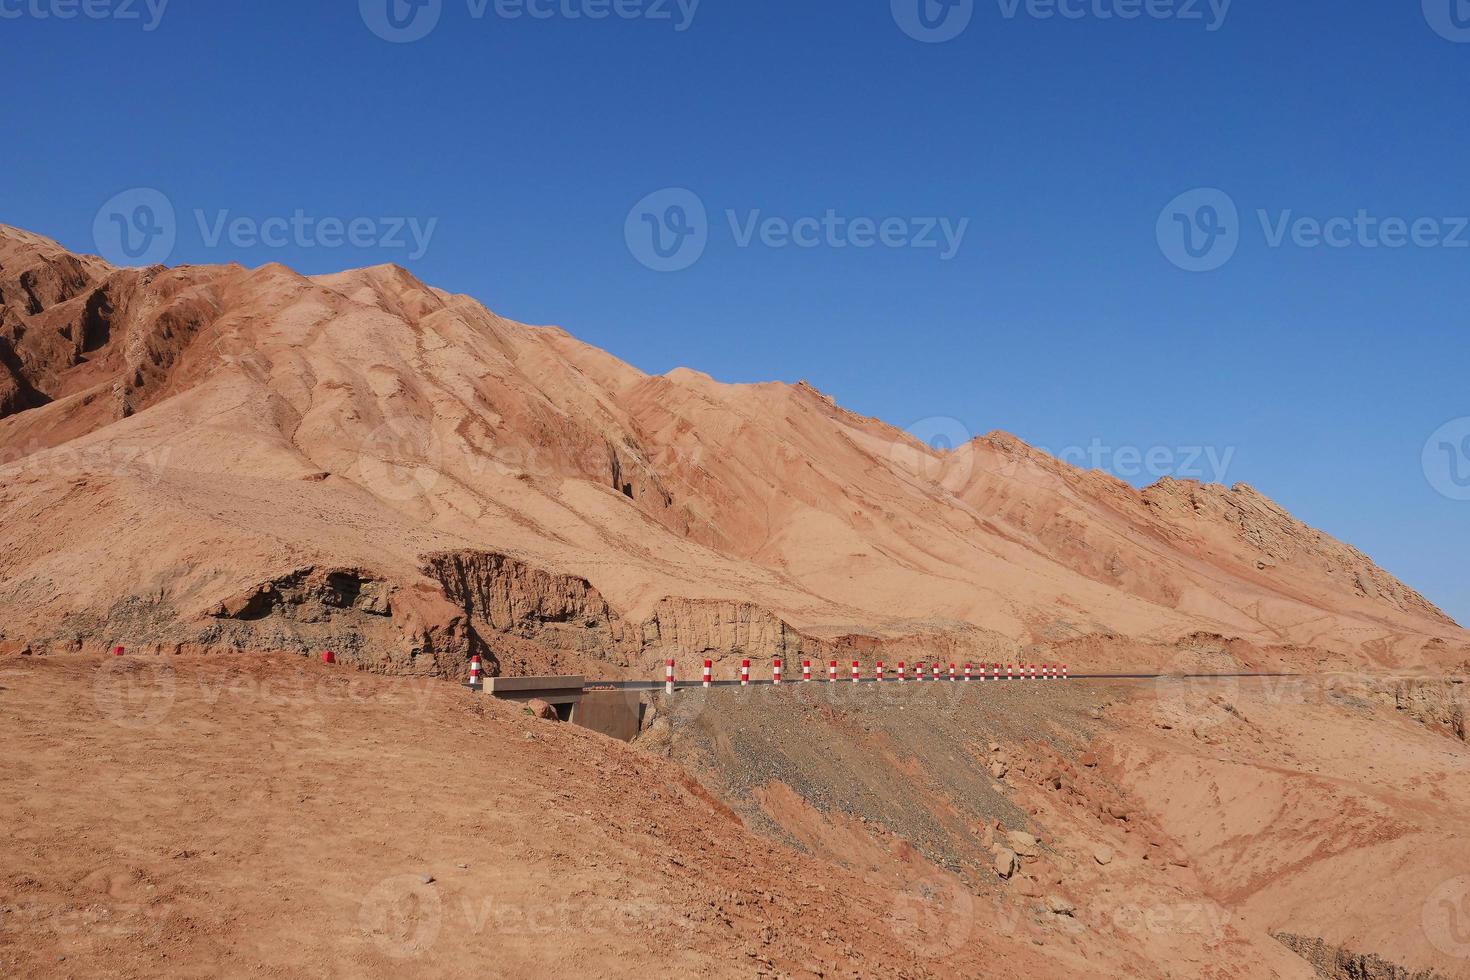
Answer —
174 439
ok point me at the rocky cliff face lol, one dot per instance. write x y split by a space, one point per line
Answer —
502 597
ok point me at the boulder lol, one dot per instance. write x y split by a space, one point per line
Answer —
1103 855
541 709
1006 863
1024 844
998 769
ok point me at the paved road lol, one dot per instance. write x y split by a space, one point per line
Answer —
682 685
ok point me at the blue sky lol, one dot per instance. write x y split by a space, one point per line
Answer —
1068 156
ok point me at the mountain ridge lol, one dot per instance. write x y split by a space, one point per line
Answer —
362 420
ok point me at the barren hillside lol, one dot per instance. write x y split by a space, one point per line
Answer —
225 458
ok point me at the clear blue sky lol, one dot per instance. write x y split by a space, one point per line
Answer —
1320 371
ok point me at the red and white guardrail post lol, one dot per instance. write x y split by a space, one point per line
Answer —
669 675
880 671
745 673
776 672
832 672
709 672
474 672
806 670
855 677
1064 671
967 672
901 678
951 672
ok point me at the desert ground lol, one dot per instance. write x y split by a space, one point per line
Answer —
264 815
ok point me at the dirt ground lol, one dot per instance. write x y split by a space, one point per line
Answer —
272 816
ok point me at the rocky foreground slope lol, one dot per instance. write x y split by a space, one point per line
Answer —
1177 827
275 816
213 457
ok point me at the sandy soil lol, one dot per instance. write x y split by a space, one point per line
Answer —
274 817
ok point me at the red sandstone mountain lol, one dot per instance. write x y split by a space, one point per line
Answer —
218 457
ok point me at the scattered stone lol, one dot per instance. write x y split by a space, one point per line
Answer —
427 879
541 709
1118 811
1103 855
1057 905
995 746
998 769
1024 844
1006 863
1088 759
